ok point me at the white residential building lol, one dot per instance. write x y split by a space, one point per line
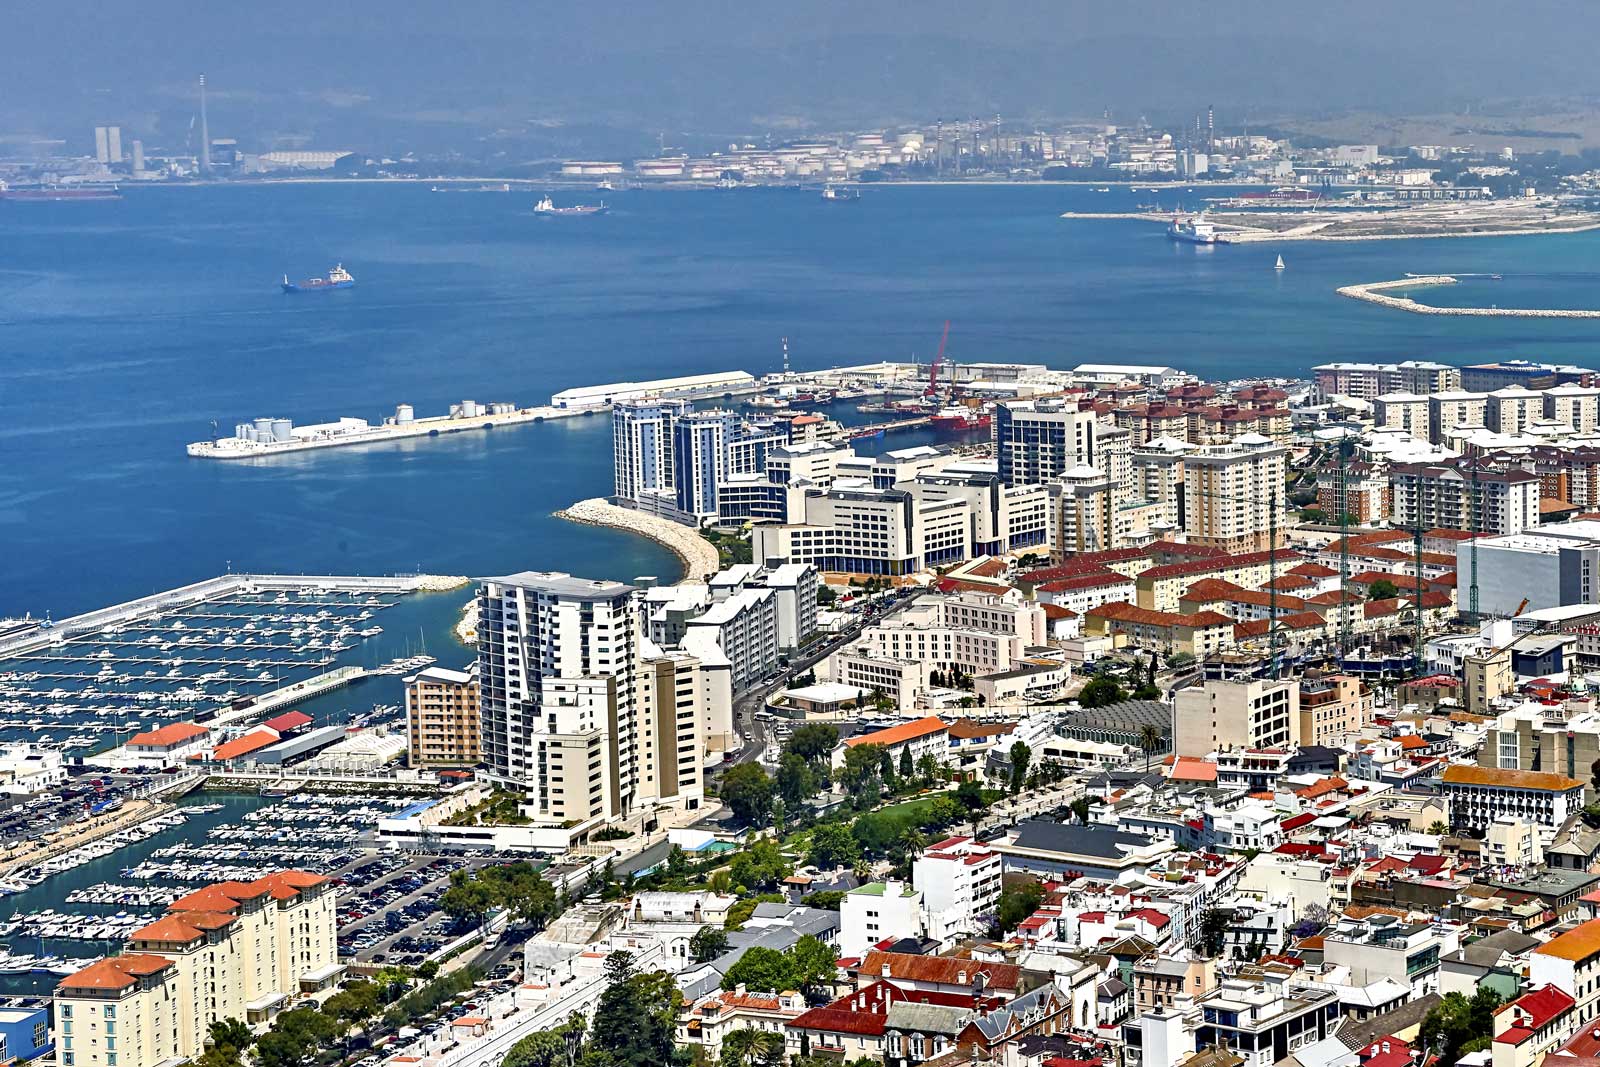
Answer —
876 912
959 879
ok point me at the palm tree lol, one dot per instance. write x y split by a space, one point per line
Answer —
1150 739
751 1048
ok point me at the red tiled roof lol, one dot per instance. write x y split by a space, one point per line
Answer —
1220 563
906 731
1091 580
944 970
1056 611
1540 1007
1125 612
966 728
168 735
289 720
244 745
116 972
1313 570
1189 769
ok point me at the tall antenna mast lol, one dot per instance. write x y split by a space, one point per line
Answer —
205 131
785 357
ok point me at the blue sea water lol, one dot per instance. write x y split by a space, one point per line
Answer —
126 328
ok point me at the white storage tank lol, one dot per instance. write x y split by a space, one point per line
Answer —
283 430
244 431
470 409
263 429
403 414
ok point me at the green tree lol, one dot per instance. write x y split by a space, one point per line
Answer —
813 741
752 1048
230 1032
522 890
635 1019
886 768
1080 809
860 763
1150 739
295 1038
467 898
707 944
741 911
827 899
764 970
1458 1025
1383 589
833 845
928 767
760 866
1021 754
353 1004
1101 692
747 791
1016 904
547 1048
906 769
1438 829
813 963
795 781
1213 929
969 796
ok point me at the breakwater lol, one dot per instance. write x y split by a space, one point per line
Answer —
698 556
1377 293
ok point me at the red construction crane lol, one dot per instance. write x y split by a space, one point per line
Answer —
933 370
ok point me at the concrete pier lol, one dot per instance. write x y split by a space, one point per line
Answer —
1374 293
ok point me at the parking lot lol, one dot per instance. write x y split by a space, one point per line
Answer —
388 908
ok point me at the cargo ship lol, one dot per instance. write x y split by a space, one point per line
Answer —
834 195
960 418
547 208
1194 229
338 278
58 192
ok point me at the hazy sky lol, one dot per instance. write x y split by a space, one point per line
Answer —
722 64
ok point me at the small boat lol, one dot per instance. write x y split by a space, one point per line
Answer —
338 278
1278 265
834 195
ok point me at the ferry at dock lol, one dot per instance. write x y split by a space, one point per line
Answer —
338 278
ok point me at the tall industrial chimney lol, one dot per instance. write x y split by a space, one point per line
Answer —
205 131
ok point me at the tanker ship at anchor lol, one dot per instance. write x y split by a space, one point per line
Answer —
546 208
338 278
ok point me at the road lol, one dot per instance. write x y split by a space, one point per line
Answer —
752 730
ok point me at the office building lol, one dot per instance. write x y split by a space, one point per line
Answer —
1236 713
1450 496
1036 440
108 144
442 717
234 950
868 531
1233 492
1557 565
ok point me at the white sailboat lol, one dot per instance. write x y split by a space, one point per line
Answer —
1279 264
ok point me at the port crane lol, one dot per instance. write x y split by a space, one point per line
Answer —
933 370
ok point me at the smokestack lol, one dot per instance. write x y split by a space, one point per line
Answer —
205 131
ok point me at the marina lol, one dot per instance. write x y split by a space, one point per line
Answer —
218 652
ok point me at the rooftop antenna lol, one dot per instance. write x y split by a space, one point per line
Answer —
205 131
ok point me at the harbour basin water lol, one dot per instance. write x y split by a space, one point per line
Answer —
126 327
